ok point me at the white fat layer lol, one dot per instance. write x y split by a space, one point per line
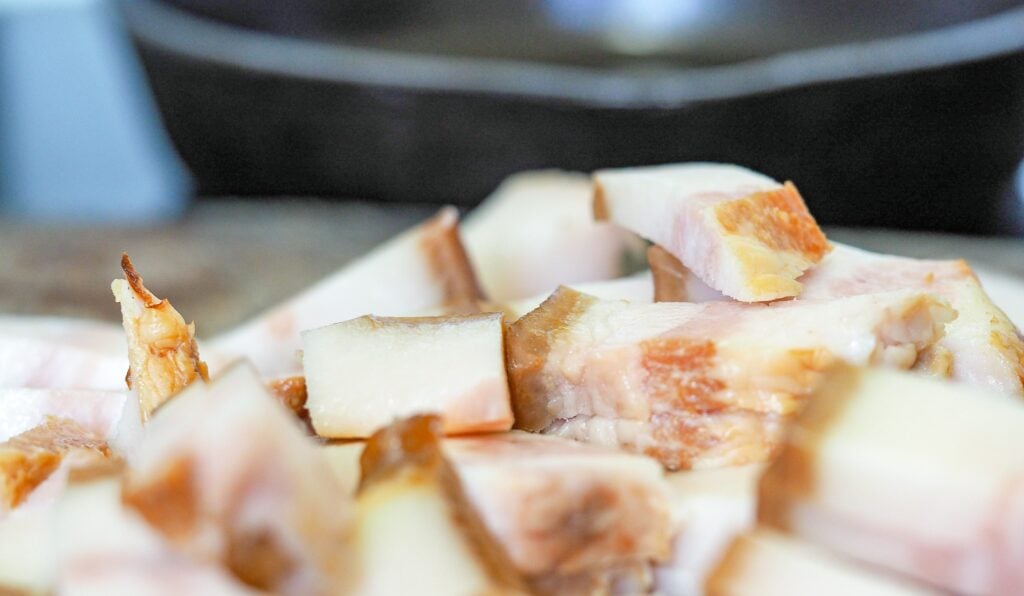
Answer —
901 441
128 432
710 508
103 547
95 336
406 539
27 546
1006 291
363 374
23 409
536 232
45 364
775 565
647 200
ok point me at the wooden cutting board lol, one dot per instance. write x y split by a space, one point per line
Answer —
229 259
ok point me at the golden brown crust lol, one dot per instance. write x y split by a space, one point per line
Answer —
669 275
1011 344
412 442
162 351
487 306
448 261
256 558
23 472
778 218
290 392
730 565
58 434
528 341
935 360
412 448
28 459
135 281
600 204
168 501
793 472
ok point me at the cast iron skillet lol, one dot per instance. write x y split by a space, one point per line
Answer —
915 118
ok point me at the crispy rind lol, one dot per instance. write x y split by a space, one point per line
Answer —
778 219
669 275
446 256
527 344
290 392
792 473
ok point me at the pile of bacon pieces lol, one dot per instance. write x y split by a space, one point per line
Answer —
760 411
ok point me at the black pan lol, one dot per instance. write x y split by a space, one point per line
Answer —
907 114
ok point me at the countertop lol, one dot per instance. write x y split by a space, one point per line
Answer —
229 259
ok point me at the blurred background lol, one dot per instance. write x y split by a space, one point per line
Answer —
194 118
894 113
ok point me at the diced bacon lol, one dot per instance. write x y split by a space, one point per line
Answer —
103 547
570 515
565 508
29 458
536 232
364 373
698 385
226 474
415 528
423 268
921 477
740 232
